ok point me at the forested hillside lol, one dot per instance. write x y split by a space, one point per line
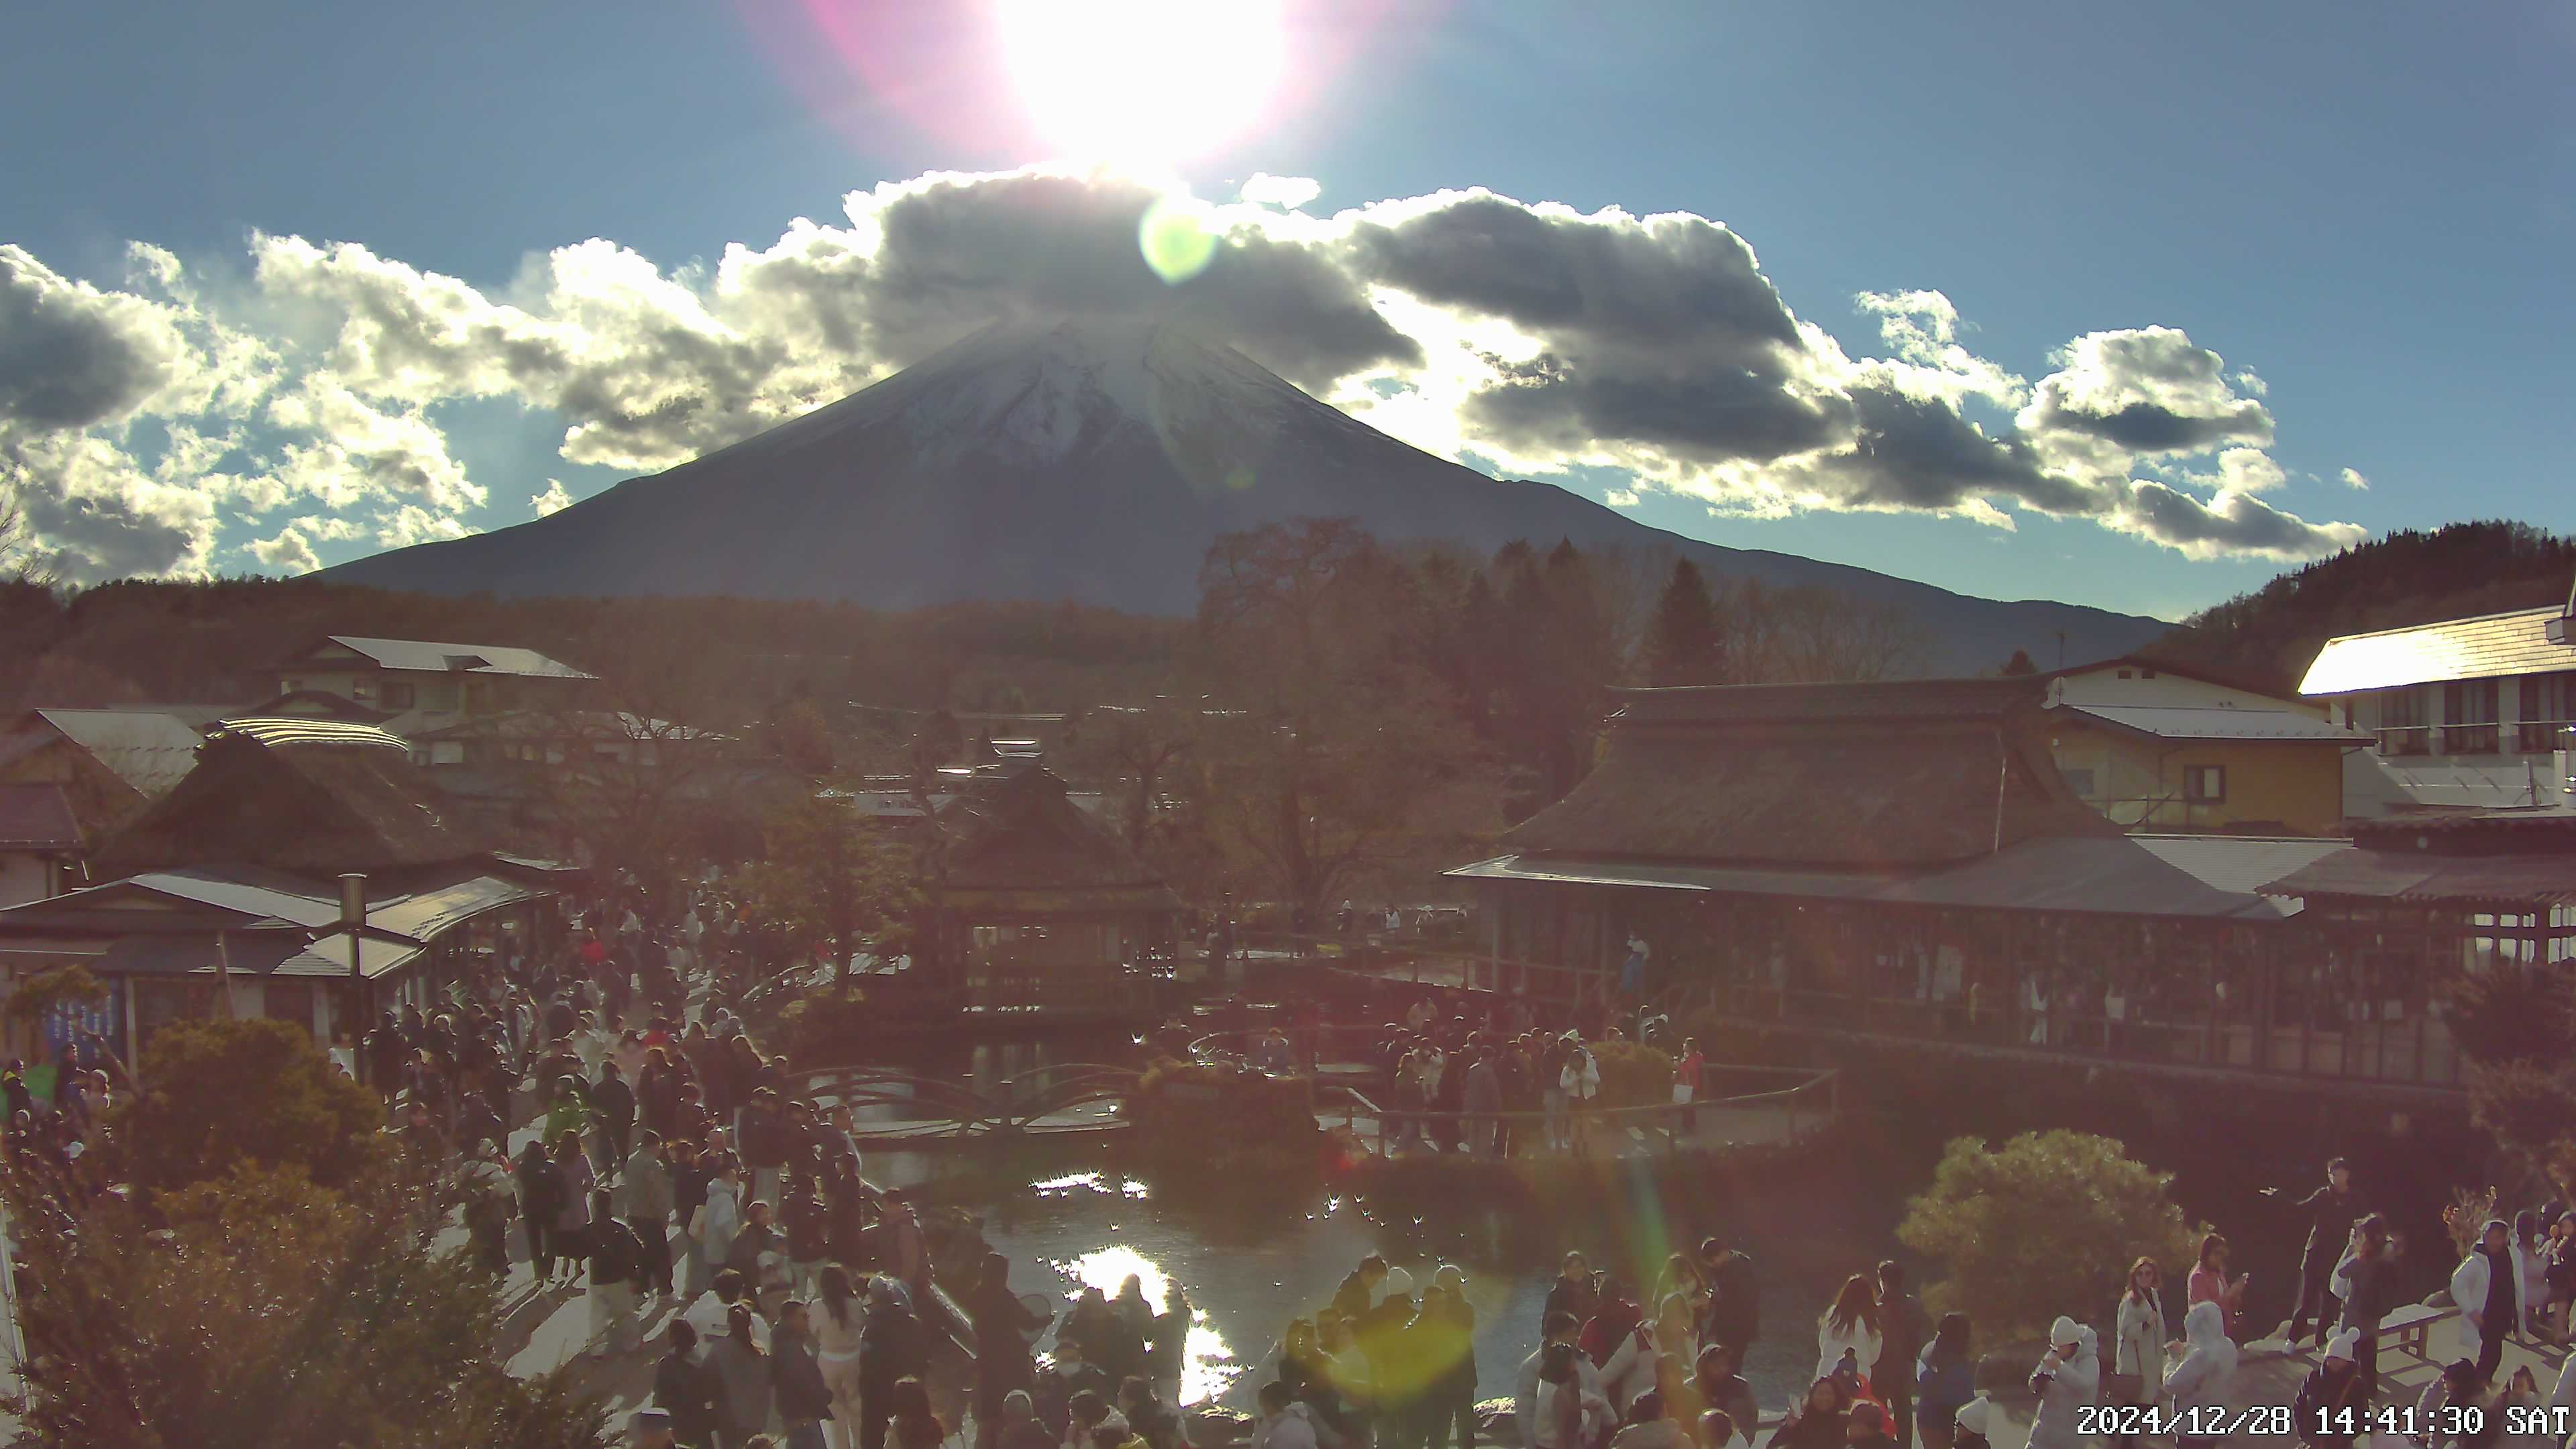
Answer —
2407 577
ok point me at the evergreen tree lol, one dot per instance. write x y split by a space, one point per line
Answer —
2019 664
1682 642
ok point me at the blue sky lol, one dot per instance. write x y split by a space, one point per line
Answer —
2367 206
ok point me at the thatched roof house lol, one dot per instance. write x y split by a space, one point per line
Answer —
1011 836
1858 776
312 797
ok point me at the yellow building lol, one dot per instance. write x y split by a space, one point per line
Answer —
2157 750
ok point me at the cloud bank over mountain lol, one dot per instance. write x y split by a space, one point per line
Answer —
160 423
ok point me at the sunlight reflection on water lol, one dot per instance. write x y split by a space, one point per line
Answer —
1207 1365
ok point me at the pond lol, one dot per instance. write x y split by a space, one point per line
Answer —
1251 1255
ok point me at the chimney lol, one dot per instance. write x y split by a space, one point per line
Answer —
353 900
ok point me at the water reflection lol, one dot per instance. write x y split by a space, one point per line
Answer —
1207 1366
1065 1186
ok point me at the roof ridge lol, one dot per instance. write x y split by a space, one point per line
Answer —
2550 609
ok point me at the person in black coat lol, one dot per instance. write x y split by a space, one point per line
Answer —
613 1102
541 1191
2329 1212
892 1345
1735 1301
686 1388
795 1375
1002 1325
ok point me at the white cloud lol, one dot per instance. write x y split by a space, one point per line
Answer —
1622 497
290 552
552 501
1290 192
1542 338
2351 478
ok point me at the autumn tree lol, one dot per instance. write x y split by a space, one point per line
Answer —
221 1095
1683 645
830 875
1132 750
259 1308
1327 728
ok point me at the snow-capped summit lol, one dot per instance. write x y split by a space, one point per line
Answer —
1092 460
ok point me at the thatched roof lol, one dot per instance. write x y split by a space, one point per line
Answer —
301 795
1862 776
1010 828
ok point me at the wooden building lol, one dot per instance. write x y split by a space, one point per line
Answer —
302 872
1905 860
2165 748
1034 904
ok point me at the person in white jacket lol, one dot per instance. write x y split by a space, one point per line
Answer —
1581 1083
2139 1338
2489 1297
2206 1371
1282 1422
1563 1413
1849 1326
2068 1382
1630 1369
1559 1328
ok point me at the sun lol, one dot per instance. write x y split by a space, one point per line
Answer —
1141 84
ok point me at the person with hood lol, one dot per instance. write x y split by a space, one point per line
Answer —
1818 1421
1649 1428
1564 1414
1557 1327
2327 1413
2489 1295
1850 1326
2330 1212
1003 1327
1444 1338
1717 1381
1735 1300
1971 1425
1867 1428
892 1346
1945 1379
1281 1422
2138 1347
2366 1281
2196 1387
2069 1384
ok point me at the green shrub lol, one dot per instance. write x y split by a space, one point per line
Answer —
2046 1224
825 1028
1211 1110
1633 1075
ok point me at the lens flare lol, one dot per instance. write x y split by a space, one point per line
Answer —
1176 239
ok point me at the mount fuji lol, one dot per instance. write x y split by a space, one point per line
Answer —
1095 462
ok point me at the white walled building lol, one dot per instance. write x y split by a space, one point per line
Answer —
2469 713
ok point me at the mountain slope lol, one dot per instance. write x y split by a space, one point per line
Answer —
1095 462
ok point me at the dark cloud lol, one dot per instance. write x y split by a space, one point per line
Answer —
1714 415
1918 453
71 355
2230 523
960 252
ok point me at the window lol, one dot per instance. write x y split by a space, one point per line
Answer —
289 686
2079 781
440 697
2401 723
2204 783
2469 717
447 752
397 696
2548 705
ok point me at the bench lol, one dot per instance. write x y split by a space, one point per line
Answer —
2406 1329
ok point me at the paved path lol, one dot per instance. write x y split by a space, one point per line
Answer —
1719 1127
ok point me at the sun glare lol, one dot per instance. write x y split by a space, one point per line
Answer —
1141 83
